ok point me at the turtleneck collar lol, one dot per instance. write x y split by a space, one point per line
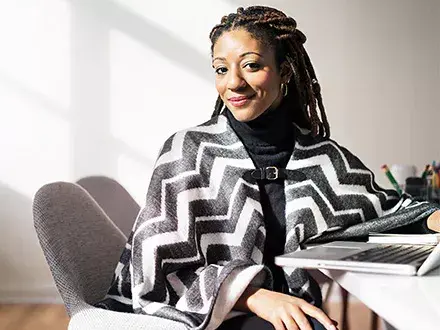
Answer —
273 129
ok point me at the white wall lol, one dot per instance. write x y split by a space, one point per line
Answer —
94 87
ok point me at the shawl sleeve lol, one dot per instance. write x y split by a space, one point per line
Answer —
391 211
164 270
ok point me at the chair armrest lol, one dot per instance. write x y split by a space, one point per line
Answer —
101 319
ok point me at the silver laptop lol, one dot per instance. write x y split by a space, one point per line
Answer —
399 259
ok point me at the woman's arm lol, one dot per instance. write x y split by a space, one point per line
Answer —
391 211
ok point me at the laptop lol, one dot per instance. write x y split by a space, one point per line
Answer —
397 259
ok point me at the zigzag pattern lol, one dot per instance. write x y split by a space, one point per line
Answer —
203 222
214 173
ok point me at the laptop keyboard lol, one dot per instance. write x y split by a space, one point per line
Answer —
393 254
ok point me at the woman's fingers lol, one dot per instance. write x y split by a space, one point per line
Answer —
300 319
278 324
289 322
319 315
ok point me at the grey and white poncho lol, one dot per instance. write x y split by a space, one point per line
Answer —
199 240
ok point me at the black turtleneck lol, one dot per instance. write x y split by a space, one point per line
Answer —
269 140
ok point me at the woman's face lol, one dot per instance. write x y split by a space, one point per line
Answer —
247 78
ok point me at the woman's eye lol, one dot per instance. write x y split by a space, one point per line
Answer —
253 66
221 70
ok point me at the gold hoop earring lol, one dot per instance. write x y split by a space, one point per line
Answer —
284 89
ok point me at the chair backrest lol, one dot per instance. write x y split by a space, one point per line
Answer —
114 199
81 245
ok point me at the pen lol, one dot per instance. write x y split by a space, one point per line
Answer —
391 178
433 175
435 180
425 172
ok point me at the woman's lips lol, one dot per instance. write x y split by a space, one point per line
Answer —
240 100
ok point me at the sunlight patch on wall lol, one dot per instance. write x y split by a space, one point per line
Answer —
152 97
35 46
35 144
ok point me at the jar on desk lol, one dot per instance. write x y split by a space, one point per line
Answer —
422 189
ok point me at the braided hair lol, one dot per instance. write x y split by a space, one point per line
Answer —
274 29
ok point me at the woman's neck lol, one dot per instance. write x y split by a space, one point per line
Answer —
274 127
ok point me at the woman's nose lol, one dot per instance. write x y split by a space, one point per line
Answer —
235 80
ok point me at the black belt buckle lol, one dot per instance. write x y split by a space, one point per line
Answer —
272 173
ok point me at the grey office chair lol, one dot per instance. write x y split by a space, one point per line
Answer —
82 247
114 199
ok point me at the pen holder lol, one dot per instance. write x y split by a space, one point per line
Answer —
432 195
421 190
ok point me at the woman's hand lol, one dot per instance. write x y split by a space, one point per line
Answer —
283 311
433 222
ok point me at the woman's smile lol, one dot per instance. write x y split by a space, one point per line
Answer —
240 101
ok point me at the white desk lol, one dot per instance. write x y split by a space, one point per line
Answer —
406 302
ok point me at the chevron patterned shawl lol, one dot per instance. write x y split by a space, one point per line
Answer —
198 242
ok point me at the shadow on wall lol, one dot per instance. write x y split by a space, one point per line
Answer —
68 133
18 236
108 122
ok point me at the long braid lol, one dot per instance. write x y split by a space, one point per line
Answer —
218 107
274 28
317 93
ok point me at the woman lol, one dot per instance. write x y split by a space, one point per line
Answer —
259 179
